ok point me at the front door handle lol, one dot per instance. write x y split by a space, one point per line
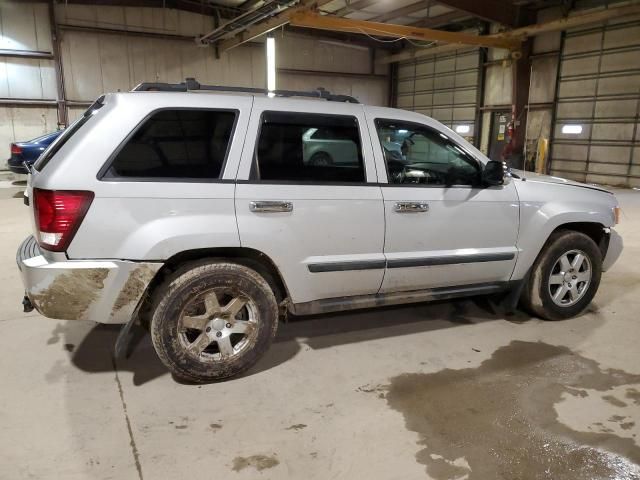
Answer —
411 207
270 207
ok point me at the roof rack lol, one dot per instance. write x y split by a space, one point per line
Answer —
191 84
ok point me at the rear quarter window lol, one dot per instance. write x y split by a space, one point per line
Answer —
175 144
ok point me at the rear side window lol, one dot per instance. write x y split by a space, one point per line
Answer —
176 144
309 148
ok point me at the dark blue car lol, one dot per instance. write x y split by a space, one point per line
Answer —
29 152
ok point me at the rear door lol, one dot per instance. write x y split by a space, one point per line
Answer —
321 222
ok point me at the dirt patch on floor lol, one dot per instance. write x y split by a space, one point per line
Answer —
70 295
297 427
498 421
259 462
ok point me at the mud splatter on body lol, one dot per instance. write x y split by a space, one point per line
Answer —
70 295
498 421
134 287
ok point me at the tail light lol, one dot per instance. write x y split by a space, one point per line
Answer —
58 215
15 149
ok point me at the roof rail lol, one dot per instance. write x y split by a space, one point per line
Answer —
191 84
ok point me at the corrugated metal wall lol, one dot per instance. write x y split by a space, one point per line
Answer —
25 26
444 87
599 90
95 62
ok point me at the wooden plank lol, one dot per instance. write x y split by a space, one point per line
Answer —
332 23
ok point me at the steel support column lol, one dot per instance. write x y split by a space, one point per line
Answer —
61 102
521 78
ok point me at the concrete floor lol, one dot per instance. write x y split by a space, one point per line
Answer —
446 390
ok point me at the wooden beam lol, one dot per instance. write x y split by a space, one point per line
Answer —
329 22
274 22
347 39
530 30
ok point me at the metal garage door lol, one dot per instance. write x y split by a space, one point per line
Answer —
596 136
444 87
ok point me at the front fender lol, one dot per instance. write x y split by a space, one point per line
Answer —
544 208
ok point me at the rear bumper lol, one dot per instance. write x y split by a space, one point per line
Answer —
104 291
18 169
614 250
16 165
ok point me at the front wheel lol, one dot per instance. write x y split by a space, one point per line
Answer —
213 320
565 276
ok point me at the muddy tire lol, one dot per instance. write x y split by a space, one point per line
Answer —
565 276
212 320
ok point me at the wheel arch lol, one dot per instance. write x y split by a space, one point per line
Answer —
533 239
320 153
594 230
248 257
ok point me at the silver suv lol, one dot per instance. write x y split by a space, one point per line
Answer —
197 213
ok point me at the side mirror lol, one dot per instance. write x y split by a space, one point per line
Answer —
493 173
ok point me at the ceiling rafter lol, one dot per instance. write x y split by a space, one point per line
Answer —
500 11
276 21
440 20
186 5
402 12
354 7
530 30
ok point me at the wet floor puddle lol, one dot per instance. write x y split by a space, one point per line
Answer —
498 421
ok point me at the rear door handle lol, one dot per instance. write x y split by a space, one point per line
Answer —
264 206
411 207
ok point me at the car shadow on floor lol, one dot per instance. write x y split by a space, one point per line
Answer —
93 351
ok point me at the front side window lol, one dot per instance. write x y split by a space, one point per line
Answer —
176 144
416 154
308 148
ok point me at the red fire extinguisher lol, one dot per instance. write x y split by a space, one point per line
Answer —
508 148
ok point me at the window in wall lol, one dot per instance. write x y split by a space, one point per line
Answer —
301 147
189 143
417 154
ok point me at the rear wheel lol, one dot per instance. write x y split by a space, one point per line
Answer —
321 159
565 276
213 320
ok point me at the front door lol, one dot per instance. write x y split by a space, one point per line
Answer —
443 228
307 197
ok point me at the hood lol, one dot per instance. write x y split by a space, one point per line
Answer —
536 177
